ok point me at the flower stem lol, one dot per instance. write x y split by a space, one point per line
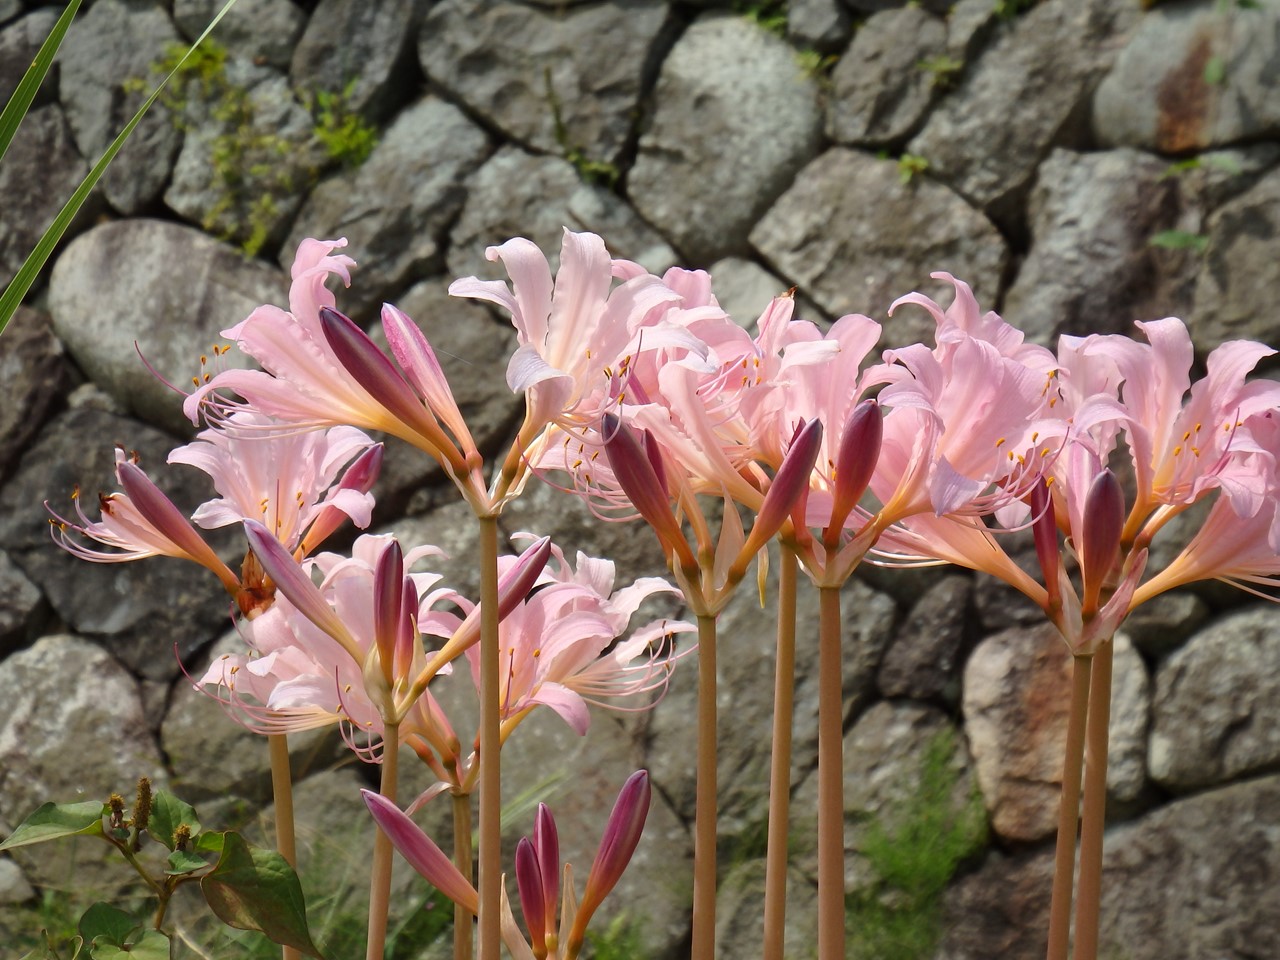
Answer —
1068 813
831 912
462 859
704 841
490 746
380 873
1089 891
775 876
282 792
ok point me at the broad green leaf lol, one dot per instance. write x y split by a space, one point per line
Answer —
56 820
210 841
167 814
152 945
20 102
252 888
105 923
184 861
35 261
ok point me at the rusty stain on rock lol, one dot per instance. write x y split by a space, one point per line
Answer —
1184 100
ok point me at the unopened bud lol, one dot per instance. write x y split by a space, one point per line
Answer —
182 837
856 460
1100 546
116 805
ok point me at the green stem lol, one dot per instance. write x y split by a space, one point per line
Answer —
831 912
490 746
380 874
462 859
282 792
704 836
784 676
1069 812
1093 821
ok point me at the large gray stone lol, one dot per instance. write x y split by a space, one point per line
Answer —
854 237
518 195
1028 92
1216 711
113 43
114 294
559 81
1187 881
923 661
36 374
66 739
43 153
19 42
727 89
395 209
142 608
1017 688
1193 76
1091 267
738 916
19 601
262 30
1231 294
880 90
363 52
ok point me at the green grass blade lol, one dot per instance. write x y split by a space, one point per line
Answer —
20 102
35 261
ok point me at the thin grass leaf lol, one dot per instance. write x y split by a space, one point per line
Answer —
35 261
16 109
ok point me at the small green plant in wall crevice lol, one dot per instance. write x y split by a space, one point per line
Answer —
255 169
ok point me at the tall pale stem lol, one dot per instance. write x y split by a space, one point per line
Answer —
380 874
830 779
490 747
704 837
775 874
1064 863
1093 820
282 793
462 860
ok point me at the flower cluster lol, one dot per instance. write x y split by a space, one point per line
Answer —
644 398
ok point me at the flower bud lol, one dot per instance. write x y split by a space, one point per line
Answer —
1100 539
856 460
529 884
638 468
421 852
1044 529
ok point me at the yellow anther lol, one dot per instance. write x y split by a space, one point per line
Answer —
1000 442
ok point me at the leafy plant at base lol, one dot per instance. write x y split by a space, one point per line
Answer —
770 15
247 887
620 940
346 136
914 857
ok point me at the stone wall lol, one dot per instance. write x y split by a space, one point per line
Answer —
1082 163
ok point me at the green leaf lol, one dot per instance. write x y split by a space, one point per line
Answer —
104 923
35 261
184 861
251 888
1215 71
56 820
20 102
210 842
1180 240
167 814
152 945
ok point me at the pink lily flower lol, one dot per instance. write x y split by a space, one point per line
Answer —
140 522
559 646
319 369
